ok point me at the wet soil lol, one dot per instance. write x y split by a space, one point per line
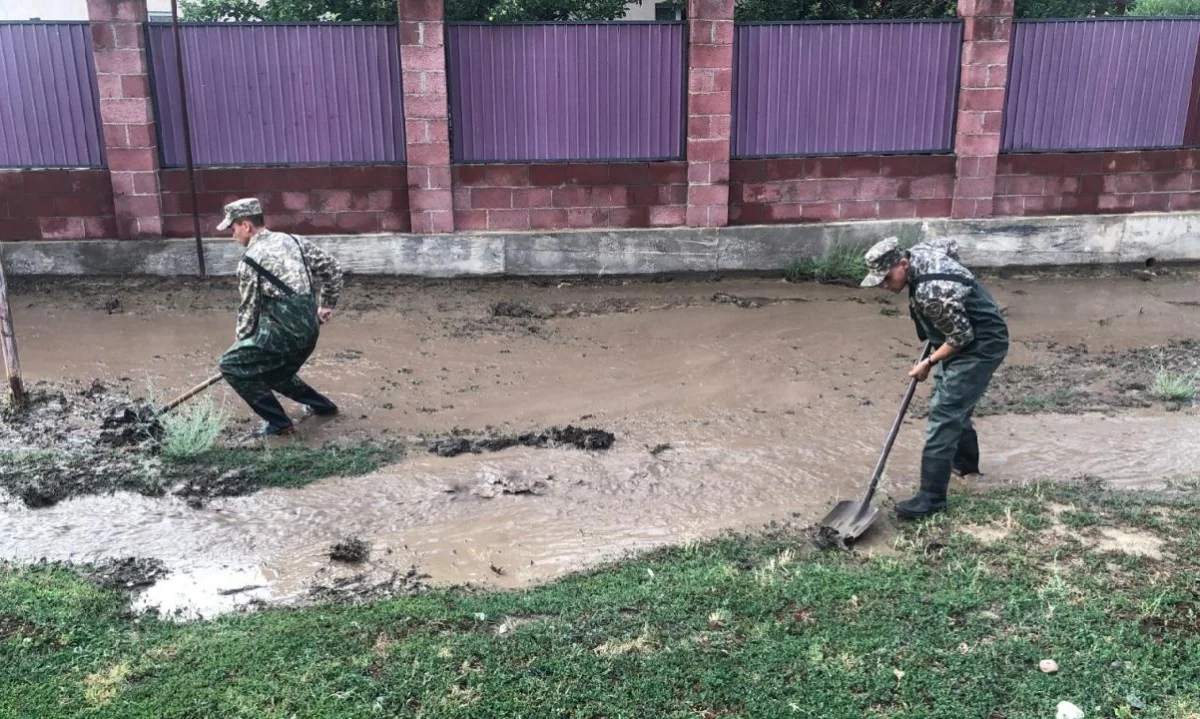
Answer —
569 436
733 403
1076 379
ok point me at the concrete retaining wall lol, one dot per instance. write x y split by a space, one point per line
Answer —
1003 242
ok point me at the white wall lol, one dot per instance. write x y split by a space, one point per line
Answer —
59 9
645 11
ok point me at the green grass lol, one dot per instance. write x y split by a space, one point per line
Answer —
297 465
949 627
1049 401
192 430
839 265
1174 386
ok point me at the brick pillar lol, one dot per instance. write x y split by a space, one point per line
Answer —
987 30
709 111
127 115
426 115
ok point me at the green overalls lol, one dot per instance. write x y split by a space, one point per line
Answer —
959 384
269 359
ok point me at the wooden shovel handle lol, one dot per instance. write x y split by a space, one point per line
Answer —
191 393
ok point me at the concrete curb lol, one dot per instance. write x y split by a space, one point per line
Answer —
1003 242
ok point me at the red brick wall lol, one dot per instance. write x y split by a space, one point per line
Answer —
56 205
309 200
1098 182
826 189
551 197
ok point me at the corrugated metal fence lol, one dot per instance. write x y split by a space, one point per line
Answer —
840 88
566 92
1101 84
295 94
49 104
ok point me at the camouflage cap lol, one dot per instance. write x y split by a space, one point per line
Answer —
236 210
880 260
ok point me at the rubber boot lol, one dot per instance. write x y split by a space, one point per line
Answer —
277 421
314 402
935 478
966 459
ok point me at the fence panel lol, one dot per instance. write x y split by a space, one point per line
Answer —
566 91
49 104
266 94
845 87
1093 85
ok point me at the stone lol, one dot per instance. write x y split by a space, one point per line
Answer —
1049 666
1067 710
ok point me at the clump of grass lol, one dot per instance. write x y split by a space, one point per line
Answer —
1174 386
192 430
1056 399
298 465
840 265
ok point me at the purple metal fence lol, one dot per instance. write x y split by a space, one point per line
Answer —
1090 84
49 104
612 91
265 94
845 87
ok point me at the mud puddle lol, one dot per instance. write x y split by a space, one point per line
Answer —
728 413
529 515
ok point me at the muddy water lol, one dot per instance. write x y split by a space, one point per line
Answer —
772 412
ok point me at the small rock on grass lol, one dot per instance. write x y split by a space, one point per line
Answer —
1067 710
1049 666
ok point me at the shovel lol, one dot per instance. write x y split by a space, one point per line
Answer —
849 519
189 394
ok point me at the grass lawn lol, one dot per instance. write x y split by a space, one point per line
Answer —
952 624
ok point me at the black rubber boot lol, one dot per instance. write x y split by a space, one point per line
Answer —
935 478
966 459
277 421
314 402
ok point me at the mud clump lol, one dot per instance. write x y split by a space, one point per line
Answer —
352 550
362 587
515 310
125 573
45 479
212 483
569 436
124 425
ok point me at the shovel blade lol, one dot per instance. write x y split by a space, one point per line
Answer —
847 521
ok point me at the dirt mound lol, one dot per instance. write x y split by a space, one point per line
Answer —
364 588
1075 379
569 436
125 573
352 550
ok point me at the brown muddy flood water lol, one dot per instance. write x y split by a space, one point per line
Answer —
774 399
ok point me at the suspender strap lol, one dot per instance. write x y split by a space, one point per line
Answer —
269 276
943 276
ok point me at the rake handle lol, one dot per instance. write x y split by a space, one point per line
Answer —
191 393
887 448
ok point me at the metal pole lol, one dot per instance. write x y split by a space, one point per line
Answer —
8 339
187 135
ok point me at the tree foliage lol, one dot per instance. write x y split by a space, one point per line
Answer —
1165 8
782 10
747 10
385 10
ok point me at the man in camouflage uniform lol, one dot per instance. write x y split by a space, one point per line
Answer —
970 339
289 287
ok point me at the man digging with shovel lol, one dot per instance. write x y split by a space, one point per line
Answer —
959 317
279 318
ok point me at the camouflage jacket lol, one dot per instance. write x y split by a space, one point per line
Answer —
280 254
941 302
